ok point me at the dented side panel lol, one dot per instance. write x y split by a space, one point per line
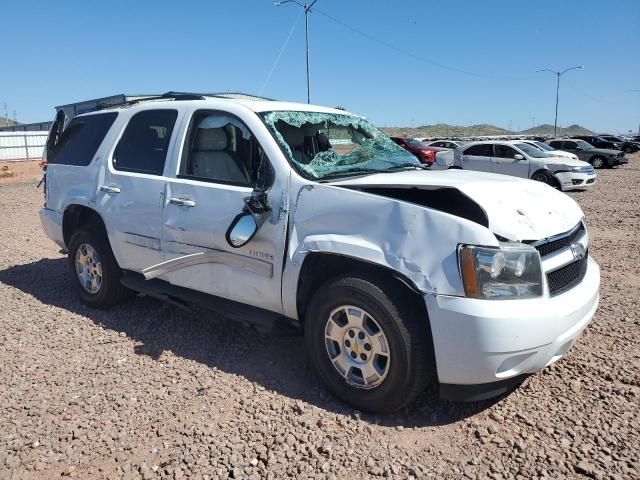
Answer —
418 242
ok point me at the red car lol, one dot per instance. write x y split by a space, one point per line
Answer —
425 154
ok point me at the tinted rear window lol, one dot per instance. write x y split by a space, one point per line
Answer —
144 143
81 139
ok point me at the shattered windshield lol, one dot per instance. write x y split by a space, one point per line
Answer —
325 145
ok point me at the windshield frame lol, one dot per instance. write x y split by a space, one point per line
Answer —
365 128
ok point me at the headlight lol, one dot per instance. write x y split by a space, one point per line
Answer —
507 272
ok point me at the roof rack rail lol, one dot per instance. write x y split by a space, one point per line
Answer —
73 109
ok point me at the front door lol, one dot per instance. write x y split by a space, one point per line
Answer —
131 195
220 165
505 163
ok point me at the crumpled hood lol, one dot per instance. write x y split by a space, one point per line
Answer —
517 209
558 160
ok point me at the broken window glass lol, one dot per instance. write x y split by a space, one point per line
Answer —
321 145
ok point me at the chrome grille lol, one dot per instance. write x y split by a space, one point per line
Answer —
553 244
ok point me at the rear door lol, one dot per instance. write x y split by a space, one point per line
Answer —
131 195
478 158
221 163
505 163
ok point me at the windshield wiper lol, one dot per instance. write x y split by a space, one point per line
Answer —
366 171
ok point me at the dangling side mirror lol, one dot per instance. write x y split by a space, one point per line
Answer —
248 222
242 230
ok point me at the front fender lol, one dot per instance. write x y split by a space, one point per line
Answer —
418 242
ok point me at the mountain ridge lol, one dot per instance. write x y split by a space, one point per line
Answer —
446 130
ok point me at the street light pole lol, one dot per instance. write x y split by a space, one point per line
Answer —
307 9
558 75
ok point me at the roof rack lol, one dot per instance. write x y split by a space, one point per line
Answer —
73 109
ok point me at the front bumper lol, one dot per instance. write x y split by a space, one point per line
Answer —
575 180
486 341
622 160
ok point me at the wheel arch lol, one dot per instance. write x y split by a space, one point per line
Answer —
75 216
320 267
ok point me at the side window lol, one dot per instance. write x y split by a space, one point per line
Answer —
482 150
557 145
144 143
79 142
570 145
221 148
504 151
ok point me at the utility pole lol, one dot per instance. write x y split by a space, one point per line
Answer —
636 91
558 75
307 9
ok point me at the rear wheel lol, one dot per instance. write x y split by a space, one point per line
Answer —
95 270
369 343
597 162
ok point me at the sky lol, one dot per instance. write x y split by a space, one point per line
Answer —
399 63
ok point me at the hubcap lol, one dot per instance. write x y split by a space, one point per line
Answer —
88 268
357 347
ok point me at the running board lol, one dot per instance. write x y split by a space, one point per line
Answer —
263 321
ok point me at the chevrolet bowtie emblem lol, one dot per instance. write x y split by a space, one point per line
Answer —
579 251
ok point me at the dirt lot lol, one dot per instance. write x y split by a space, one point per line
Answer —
147 391
20 172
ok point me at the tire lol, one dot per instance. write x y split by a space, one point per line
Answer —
611 162
546 177
597 162
103 289
409 363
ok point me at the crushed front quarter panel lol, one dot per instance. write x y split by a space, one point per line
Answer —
418 242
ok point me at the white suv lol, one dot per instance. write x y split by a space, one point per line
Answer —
303 219
520 159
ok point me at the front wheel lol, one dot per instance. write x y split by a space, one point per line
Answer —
546 177
96 272
369 343
597 162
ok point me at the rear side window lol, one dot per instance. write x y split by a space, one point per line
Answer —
557 145
144 143
80 141
482 150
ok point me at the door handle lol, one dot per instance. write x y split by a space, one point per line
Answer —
109 189
182 202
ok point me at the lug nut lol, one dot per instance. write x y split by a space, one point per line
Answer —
361 336
367 347
353 355
347 343
351 334
363 356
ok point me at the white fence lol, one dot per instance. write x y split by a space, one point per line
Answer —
16 146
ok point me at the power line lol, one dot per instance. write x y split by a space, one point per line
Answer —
282 49
408 53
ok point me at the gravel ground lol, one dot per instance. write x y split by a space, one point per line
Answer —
148 391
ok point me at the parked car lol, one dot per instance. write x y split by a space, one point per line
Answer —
550 150
520 159
424 153
302 219
446 144
599 142
627 146
598 157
